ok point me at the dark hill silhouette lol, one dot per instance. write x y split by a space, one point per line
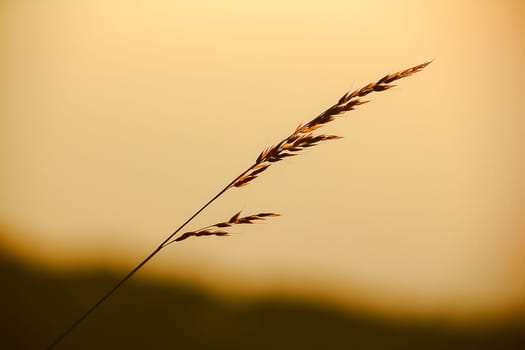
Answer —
37 304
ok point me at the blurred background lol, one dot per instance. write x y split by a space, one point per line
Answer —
118 119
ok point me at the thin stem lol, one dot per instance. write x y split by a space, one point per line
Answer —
300 139
101 300
75 324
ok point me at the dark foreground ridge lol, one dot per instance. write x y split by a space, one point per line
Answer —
37 304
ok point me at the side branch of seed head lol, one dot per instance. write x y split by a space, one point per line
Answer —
217 229
303 136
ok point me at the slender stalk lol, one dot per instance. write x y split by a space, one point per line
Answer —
164 243
302 138
101 300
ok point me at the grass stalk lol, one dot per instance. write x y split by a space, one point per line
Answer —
303 137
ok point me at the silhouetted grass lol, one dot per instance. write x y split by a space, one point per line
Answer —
303 137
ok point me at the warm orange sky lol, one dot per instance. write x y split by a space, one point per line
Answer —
119 119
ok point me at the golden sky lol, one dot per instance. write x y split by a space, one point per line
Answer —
121 118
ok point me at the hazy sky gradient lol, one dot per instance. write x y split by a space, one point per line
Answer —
119 119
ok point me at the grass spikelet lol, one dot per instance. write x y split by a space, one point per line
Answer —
215 230
304 137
